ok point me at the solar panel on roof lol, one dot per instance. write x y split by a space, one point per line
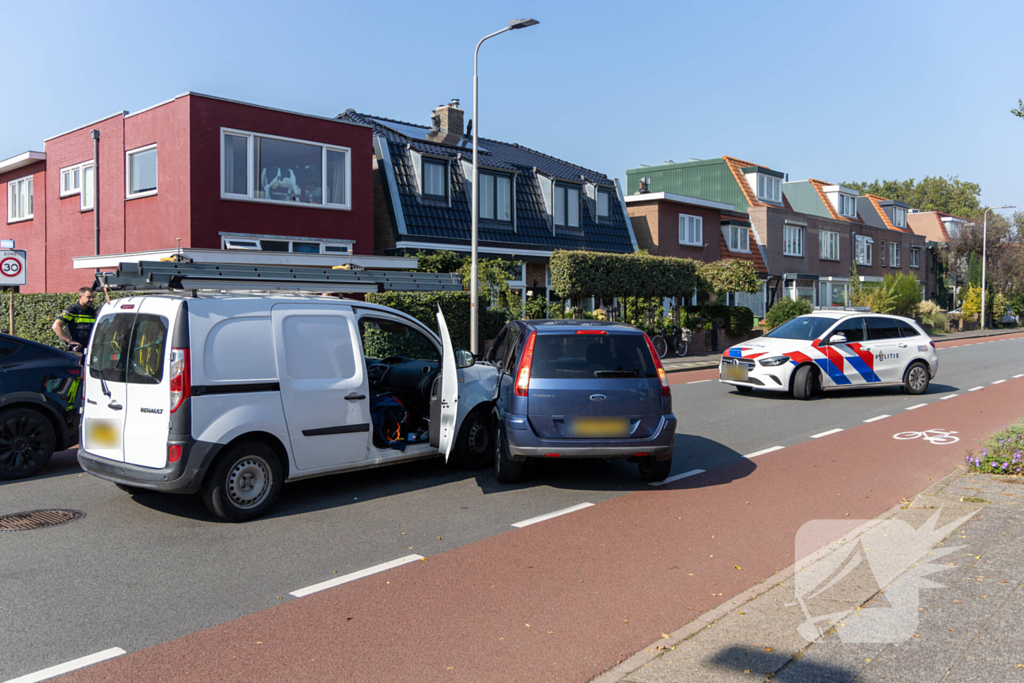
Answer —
421 134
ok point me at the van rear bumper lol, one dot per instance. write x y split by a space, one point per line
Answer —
524 443
184 476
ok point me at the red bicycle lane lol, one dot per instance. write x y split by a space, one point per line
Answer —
566 599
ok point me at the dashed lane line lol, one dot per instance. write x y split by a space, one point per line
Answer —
831 431
919 405
1017 376
551 515
976 389
764 451
946 398
317 587
999 381
698 381
66 667
876 419
677 477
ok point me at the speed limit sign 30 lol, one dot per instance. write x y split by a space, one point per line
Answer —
12 267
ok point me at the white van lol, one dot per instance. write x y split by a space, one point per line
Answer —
233 395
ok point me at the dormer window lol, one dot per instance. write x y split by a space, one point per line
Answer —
769 188
954 228
435 179
604 202
495 197
899 216
739 238
847 206
567 206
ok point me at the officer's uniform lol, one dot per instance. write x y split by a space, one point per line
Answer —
78 321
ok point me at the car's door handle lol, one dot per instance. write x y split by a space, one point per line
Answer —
354 397
114 405
90 401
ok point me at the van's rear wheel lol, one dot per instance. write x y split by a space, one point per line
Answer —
27 440
245 482
652 470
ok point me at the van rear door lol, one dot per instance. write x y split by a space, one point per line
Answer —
147 413
106 392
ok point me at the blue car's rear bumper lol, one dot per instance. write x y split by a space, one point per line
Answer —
523 443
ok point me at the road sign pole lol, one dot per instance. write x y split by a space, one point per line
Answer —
11 313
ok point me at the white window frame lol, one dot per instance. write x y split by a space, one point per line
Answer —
867 242
899 216
773 186
915 257
828 245
847 205
894 254
735 230
236 241
250 196
697 223
67 172
128 173
91 204
12 186
788 244
566 187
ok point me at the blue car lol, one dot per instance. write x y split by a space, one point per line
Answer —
580 389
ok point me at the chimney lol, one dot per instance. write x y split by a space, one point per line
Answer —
448 119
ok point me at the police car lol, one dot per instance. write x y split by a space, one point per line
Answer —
834 349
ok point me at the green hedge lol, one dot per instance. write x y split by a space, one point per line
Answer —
737 320
34 314
785 310
455 305
586 273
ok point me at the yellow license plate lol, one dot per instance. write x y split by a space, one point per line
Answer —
102 433
597 427
735 372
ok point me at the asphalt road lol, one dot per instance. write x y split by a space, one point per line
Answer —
138 571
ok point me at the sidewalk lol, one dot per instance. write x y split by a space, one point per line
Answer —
969 610
710 360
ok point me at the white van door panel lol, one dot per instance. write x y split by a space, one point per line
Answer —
449 389
220 418
147 419
324 388
106 393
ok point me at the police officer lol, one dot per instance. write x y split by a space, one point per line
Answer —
75 324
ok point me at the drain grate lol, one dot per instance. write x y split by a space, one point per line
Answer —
38 519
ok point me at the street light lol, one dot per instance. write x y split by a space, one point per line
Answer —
984 253
474 342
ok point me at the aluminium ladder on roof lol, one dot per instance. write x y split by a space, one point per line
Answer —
149 276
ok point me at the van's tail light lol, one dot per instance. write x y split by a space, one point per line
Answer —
662 377
181 377
174 453
525 363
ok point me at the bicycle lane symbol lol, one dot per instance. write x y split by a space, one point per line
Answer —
938 437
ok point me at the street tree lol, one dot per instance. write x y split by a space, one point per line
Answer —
949 195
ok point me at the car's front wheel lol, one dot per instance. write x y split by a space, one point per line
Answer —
652 470
27 440
917 379
245 482
474 446
803 382
506 470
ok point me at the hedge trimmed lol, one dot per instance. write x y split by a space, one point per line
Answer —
34 314
737 320
586 273
455 305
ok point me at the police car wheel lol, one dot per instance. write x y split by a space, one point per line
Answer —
803 383
917 380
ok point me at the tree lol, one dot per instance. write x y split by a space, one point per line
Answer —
949 195
974 271
1019 111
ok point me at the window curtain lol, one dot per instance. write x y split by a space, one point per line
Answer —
335 177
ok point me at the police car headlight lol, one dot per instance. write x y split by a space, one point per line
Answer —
773 361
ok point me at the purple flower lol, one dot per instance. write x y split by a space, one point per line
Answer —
1005 465
977 462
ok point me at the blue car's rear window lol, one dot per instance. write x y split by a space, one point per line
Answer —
591 356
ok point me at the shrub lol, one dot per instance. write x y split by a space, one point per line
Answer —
785 310
34 314
1002 453
455 305
972 302
737 320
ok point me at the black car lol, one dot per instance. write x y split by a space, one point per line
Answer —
40 397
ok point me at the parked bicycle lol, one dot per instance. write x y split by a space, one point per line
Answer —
679 340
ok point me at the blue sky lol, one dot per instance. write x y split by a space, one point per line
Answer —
857 91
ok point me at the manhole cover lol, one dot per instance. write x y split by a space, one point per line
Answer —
37 519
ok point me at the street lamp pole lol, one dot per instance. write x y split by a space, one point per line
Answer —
474 341
984 259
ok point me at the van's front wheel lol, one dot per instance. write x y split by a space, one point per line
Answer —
245 482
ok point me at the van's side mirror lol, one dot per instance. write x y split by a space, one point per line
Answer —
464 359
837 339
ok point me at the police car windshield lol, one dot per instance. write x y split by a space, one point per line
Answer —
806 327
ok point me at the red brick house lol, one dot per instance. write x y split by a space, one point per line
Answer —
216 173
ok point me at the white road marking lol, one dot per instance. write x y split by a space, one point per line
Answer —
999 381
975 388
73 665
919 405
317 587
677 477
550 515
1017 376
946 398
766 450
876 419
698 381
831 431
